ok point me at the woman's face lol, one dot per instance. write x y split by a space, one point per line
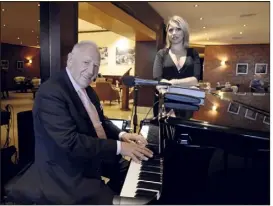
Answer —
175 33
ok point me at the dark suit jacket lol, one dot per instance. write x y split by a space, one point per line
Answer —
68 153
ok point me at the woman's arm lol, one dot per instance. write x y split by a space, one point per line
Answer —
158 66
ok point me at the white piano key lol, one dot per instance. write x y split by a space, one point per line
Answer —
130 184
131 180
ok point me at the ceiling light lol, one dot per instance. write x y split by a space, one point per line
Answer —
3 9
244 25
204 27
201 18
18 37
241 32
196 5
39 20
37 37
4 25
32 31
38 4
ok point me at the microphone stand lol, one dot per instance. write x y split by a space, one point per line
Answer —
136 88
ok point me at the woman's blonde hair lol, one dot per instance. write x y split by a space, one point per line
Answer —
185 28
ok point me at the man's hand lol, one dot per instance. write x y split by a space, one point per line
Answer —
135 151
133 137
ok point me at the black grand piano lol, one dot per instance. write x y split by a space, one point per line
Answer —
218 154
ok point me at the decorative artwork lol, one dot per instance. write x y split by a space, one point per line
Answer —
233 108
260 68
20 65
241 68
266 120
250 114
103 55
4 64
125 56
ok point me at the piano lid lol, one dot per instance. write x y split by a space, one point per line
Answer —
234 110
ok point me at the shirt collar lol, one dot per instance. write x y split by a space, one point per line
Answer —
75 85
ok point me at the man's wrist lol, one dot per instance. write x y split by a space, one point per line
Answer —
120 134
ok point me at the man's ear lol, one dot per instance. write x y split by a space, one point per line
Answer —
69 59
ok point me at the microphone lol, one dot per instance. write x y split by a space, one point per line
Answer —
133 81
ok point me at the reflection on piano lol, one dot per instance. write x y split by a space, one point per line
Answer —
144 180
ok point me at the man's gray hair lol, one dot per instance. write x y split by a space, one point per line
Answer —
84 44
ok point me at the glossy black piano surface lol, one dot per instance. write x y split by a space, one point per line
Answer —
249 111
217 155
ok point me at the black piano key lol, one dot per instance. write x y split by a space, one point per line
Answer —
141 193
149 185
153 148
150 169
151 164
149 177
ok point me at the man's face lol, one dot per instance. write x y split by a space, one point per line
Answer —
84 65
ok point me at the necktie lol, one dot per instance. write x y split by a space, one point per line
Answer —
92 113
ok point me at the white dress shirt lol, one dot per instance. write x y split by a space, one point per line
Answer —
78 88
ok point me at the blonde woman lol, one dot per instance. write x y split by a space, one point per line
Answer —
177 63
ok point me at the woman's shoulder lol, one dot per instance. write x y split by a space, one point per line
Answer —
162 52
192 52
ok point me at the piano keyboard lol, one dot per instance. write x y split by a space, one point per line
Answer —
145 179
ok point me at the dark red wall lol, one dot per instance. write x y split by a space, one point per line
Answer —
14 53
251 54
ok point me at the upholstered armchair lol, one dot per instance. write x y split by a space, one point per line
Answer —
106 92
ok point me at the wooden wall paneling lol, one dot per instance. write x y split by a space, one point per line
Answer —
57 35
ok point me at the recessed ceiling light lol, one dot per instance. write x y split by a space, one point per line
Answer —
4 25
241 32
39 20
3 9
196 5
204 27
244 25
18 37
201 18
38 4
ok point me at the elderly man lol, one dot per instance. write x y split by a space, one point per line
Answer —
74 143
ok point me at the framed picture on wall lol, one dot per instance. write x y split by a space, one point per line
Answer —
241 68
4 64
20 65
233 108
250 114
266 120
260 68
125 56
103 55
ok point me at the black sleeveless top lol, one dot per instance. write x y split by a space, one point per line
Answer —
165 68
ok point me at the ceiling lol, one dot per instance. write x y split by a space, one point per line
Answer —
223 21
